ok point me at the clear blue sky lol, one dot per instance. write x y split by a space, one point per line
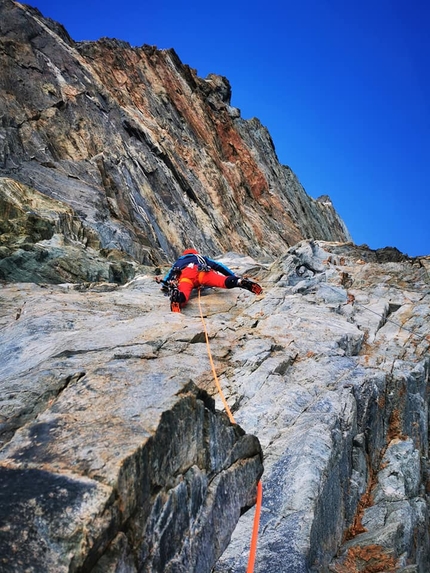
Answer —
342 86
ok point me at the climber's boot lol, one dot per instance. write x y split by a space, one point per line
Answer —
249 285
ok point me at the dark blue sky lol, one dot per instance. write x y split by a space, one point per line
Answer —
343 88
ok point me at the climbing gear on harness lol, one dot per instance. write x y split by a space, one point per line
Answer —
176 299
170 289
249 285
202 264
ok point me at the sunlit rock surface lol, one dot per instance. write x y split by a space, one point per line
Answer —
333 377
112 451
113 445
116 454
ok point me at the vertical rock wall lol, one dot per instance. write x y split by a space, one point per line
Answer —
149 156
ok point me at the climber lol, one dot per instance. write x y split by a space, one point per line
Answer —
193 270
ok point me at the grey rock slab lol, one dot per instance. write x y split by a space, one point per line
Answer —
97 385
338 402
323 402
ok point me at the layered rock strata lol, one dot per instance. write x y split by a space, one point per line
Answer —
149 156
44 241
116 455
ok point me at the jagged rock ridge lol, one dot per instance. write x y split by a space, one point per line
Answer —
148 155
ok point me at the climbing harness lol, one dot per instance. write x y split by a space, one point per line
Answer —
254 538
202 264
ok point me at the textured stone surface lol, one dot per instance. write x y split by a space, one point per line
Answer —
107 402
109 447
142 149
43 240
115 454
333 377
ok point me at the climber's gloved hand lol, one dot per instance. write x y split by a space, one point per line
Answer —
160 281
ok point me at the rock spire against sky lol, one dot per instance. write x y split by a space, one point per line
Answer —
342 88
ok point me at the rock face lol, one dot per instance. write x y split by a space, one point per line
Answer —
145 155
116 454
114 457
333 378
43 240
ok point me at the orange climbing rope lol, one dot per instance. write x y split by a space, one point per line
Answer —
224 401
254 538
